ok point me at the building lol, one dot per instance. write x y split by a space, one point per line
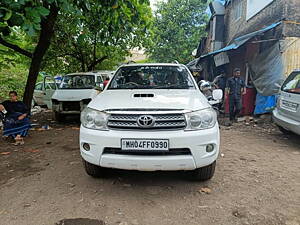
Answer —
261 37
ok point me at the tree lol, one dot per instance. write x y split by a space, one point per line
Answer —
37 18
178 27
105 33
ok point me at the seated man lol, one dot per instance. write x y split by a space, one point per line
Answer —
14 115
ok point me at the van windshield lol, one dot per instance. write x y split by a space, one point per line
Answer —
292 83
79 81
152 77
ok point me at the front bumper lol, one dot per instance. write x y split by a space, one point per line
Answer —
285 122
72 107
196 141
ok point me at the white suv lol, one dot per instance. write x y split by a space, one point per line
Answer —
150 117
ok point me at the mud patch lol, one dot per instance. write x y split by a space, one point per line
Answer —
80 221
16 167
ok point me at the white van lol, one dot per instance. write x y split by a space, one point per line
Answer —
75 92
151 117
43 92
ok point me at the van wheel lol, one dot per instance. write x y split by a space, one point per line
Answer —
59 117
95 171
204 173
285 131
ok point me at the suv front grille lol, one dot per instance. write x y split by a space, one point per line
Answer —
172 151
161 121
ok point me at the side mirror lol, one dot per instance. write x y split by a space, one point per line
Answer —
217 94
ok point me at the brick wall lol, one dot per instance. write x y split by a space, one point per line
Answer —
269 15
292 13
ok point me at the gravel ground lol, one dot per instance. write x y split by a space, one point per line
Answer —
257 181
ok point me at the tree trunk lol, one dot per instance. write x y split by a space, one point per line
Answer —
47 31
94 53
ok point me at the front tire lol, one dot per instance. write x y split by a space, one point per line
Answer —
94 171
204 173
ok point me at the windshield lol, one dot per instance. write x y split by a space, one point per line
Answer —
152 77
77 82
292 83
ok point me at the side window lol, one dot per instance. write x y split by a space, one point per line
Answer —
237 9
38 87
47 87
99 80
292 83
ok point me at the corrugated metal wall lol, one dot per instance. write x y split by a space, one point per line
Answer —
291 54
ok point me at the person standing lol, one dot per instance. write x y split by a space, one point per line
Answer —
235 88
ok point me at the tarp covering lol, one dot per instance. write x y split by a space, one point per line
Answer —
264 104
238 42
194 66
266 71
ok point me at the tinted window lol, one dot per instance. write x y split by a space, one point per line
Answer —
152 77
50 86
292 83
99 79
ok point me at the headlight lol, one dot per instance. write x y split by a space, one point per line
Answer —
200 120
94 119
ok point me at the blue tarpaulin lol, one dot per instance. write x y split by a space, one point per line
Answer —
264 104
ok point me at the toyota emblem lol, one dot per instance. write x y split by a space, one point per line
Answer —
146 121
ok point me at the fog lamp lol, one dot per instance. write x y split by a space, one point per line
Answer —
86 146
210 148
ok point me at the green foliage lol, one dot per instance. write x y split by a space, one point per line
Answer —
85 32
178 27
109 29
12 78
28 14
9 57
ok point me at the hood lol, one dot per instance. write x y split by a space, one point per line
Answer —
191 100
73 94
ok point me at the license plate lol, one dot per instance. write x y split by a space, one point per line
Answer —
145 144
289 105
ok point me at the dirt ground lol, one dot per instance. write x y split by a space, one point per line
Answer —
257 181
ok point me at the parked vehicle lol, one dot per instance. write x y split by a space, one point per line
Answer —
151 117
106 73
74 93
43 92
287 113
